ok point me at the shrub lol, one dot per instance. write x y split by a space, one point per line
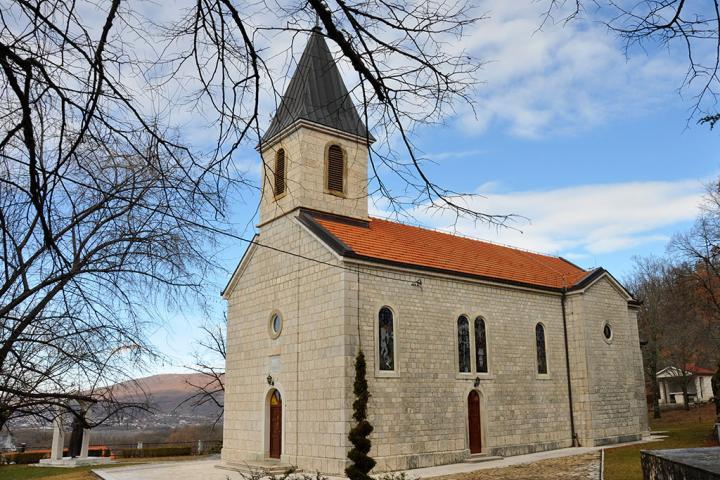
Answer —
99 452
362 463
23 458
215 449
395 476
290 474
154 452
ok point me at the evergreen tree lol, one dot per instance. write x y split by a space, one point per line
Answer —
362 463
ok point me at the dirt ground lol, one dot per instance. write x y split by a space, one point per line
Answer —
585 467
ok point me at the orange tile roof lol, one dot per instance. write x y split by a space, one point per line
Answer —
396 243
692 368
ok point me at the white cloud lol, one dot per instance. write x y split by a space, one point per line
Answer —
445 155
564 78
581 221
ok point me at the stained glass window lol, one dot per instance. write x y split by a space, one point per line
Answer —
540 347
480 346
463 329
386 338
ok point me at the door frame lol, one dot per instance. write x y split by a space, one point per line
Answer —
483 419
266 424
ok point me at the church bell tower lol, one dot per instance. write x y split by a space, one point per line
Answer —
315 151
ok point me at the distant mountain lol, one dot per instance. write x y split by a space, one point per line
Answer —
167 395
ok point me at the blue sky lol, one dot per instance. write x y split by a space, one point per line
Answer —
593 147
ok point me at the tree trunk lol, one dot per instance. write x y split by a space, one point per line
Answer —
686 398
651 372
4 417
655 396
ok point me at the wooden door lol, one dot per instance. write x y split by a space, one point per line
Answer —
275 425
474 422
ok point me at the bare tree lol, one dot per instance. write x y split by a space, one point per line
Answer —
688 340
692 27
672 320
700 247
648 282
107 212
210 362
75 307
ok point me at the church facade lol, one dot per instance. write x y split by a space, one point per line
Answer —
472 348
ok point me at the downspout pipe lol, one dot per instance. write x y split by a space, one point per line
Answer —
575 441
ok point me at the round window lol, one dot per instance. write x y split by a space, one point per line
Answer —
607 331
276 324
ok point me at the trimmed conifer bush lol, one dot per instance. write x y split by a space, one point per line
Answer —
362 463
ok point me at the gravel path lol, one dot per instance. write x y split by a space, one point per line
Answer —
578 467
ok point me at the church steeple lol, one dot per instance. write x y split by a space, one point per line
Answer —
316 93
315 152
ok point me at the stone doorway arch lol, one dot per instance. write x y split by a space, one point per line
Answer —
474 422
275 430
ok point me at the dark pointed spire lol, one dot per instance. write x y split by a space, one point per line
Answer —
316 93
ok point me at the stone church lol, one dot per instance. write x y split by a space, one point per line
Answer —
473 348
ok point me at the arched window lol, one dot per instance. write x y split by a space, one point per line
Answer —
386 340
335 169
540 348
480 346
463 333
280 172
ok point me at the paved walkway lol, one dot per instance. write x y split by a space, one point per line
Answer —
457 468
185 470
205 469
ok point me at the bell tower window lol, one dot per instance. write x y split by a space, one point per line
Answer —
279 172
335 170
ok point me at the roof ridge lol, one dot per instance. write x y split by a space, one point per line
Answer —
476 239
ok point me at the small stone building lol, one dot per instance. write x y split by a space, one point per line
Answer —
671 380
472 348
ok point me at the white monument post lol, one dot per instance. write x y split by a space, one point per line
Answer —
58 440
56 454
85 446
85 443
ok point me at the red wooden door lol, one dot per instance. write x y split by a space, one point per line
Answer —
275 425
474 422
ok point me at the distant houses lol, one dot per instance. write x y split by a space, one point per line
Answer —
671 380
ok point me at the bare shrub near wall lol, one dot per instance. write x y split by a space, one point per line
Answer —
290 474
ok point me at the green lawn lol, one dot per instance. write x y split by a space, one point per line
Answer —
684 430
22 472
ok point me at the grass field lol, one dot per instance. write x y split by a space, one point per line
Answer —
684 430
23 472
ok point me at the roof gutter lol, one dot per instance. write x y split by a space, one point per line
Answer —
573 432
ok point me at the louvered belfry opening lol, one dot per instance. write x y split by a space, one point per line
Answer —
280 172
336 169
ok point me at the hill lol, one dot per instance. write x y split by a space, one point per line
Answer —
167 396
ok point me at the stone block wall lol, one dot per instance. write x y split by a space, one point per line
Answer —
420 414
608 384
305 158
307 360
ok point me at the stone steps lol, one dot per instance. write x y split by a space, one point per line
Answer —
482 457
264 467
